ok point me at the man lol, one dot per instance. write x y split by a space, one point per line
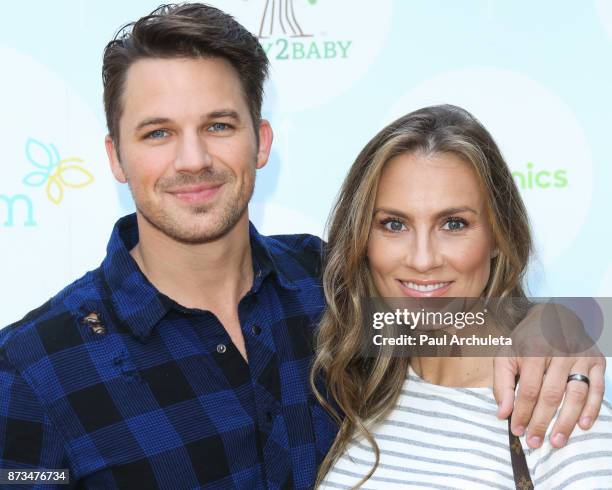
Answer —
183 360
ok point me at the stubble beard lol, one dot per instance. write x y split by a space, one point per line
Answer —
208 222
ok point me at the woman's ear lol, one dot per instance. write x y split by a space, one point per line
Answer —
494 252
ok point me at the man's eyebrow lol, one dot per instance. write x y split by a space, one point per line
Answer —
151 121
440 214
222 113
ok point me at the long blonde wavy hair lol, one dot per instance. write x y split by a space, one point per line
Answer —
362 390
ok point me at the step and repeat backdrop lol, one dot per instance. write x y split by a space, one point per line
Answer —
537 74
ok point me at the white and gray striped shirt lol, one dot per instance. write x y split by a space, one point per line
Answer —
441 437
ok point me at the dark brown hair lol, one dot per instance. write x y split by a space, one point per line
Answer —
190 30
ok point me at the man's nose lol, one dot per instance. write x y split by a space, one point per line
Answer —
192 154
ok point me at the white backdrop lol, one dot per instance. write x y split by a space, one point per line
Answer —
537 74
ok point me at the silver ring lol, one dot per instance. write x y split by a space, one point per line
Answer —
579 377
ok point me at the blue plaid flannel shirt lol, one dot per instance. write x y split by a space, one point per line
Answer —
128 389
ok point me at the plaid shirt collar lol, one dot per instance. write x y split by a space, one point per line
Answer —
127 285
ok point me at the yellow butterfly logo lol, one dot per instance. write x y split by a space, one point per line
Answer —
57 173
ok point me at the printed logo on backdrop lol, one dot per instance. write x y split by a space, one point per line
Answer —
543 143
318 48
52 173
281 15
532 176
283 38
58 199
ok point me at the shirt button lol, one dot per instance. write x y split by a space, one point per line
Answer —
221 348
256 329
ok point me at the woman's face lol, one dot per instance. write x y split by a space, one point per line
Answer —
430 234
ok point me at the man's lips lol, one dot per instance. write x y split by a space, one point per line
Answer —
199 193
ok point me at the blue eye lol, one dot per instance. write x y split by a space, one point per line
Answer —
157 134
393 225
216 127
454 224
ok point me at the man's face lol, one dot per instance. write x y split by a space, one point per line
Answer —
188 149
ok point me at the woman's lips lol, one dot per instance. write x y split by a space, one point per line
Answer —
196 194
424 289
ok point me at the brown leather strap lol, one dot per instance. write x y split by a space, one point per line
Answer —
522 478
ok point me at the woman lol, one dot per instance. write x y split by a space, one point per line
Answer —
440 215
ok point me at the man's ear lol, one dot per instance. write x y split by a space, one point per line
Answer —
113 160
265 143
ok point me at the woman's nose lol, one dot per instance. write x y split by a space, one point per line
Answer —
423 254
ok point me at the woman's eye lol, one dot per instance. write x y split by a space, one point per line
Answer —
393 225
157 134
454 224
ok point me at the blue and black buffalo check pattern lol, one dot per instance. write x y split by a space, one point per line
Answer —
128 389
